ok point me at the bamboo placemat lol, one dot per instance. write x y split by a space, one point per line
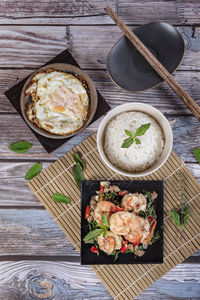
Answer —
123 281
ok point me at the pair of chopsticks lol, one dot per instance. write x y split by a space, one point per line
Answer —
158 67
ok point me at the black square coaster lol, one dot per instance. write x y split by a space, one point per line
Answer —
154 253
14 93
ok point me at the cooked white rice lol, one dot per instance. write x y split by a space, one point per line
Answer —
136 157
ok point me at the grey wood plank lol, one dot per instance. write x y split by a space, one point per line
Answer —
162 97
186 130
31 46
92 12
15 192
32 232
67 280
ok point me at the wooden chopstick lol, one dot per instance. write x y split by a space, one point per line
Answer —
158 67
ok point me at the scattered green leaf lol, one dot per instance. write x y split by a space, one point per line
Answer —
127 142
79 161
20 146
78 175
33 171
196 152
105 220
57 197
93 234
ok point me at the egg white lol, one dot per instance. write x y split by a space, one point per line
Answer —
41 112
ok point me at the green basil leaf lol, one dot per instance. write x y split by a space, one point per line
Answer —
196 152
93 234
142 129
138 142
79 161
105 220
142 214
116 255
129 251
78 175
105 233
102 226
20 146
127 143
129 133
33 171
176 217
57 197
156 237
186 218
140 246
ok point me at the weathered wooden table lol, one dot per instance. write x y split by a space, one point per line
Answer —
37 260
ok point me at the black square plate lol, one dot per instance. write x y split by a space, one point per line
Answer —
154 253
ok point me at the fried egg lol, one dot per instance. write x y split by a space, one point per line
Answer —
60 102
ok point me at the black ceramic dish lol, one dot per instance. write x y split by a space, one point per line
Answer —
129 69
154 253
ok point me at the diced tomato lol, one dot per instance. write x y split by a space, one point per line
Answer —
151 219
93 249
136 243
122 193
124 247
116 209
101 188
87 212
137 206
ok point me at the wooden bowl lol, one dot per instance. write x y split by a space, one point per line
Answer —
24 100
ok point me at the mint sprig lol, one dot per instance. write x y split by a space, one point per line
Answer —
133 137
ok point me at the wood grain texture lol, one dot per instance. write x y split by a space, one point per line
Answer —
13 128
27 280
32 232
161 96
30 229
15 192
91 12
32 46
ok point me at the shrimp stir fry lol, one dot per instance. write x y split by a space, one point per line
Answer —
121 222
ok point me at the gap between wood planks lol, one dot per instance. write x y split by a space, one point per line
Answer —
68 258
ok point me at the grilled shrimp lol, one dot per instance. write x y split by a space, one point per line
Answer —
140 233
123 222
135 229
110 243
135 202
103 208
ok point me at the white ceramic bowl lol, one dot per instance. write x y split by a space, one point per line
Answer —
153 112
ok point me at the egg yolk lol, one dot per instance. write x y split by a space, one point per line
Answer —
64 100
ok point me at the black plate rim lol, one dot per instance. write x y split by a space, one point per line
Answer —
144 90
162 223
